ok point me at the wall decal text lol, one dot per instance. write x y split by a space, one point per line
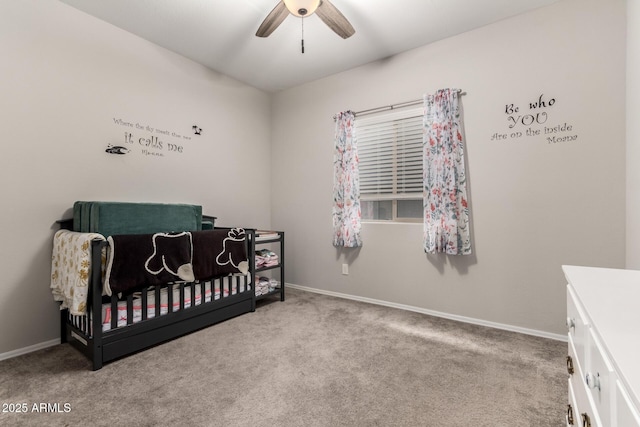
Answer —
534 120
147 140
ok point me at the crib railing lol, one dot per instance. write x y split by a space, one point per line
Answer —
155 301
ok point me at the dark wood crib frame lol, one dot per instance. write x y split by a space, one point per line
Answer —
103 346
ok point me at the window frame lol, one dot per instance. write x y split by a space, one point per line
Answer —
388 120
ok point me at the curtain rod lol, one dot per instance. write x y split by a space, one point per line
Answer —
391 107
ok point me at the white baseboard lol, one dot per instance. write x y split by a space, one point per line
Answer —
464 319
30 349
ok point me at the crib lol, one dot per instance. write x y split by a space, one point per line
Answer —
121 323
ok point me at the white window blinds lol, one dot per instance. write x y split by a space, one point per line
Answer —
390 154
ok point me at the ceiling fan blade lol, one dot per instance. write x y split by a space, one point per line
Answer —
273 20
334 19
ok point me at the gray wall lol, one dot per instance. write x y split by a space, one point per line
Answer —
633 134
535 205
65 77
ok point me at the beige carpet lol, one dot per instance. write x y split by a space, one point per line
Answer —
312 360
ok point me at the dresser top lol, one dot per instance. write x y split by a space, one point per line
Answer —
611 299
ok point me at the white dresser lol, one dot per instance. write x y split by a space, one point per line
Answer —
603 322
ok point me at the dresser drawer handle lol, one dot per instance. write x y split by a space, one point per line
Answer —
571 324
569 415
586 421
570 365
593 381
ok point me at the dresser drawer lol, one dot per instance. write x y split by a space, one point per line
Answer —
599 378
577 323
585 414
573 410
626 413
583 405
574 363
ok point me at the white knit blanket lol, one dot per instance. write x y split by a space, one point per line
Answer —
70 267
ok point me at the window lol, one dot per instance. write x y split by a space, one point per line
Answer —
390 155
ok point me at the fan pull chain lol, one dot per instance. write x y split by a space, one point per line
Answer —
302 41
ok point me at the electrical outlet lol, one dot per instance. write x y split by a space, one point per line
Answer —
345 269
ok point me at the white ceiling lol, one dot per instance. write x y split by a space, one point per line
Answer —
220 34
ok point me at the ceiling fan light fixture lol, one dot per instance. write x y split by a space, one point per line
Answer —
302 8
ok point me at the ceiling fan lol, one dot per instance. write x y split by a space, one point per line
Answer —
325 10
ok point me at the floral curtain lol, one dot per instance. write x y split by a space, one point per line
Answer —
446 207
346 184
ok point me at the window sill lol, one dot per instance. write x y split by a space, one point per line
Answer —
408 222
